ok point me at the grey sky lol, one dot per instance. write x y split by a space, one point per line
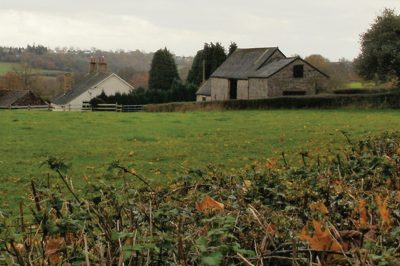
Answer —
327 27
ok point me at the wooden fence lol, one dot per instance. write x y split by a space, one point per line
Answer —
86 107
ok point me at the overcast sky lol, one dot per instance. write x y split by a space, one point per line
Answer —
304 27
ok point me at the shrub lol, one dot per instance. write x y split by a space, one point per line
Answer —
179 92
260 214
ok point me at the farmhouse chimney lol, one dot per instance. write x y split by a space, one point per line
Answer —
92 65
68 80
102 65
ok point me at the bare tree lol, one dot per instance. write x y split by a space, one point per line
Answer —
25 74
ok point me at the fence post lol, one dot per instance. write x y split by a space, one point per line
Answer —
29 107
48 107
69 107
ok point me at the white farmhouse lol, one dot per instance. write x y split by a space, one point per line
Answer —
75 95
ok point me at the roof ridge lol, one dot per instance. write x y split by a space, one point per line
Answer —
256 62
258 48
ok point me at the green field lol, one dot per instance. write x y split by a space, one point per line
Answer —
163 145
7 67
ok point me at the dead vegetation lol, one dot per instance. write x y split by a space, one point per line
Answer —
340 210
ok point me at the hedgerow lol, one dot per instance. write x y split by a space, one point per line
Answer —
376 100
333 210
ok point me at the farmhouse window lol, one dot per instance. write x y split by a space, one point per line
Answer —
298 71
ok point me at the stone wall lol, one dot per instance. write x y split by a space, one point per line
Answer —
203 98
276 55
311 82
219 89
258 88
243 89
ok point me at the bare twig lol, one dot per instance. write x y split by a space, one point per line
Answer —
284 160
151 232
244 260
35 196
126 170
86 250
67 185
17 254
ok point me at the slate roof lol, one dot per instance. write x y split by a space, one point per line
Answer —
243 62
272 67
9 97
88 81
205 88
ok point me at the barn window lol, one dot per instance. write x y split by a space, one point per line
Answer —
298 71
204 98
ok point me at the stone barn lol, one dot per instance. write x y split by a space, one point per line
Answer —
259 73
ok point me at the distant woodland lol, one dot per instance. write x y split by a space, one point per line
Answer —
40 69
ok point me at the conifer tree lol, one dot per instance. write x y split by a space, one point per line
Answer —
210 58
232 47
163 71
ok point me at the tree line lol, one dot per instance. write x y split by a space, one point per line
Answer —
165 84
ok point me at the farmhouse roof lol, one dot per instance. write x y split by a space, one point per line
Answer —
12 97
271 68
8 97
205 88
244 62
87 82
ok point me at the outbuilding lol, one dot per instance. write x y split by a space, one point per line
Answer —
259 73
19 98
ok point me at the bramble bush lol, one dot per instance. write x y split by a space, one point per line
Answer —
340 209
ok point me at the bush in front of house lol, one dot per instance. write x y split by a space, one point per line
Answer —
179 92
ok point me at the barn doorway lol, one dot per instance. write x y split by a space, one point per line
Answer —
233 89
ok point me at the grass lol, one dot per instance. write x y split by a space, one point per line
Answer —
360 85
7 67
163 145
